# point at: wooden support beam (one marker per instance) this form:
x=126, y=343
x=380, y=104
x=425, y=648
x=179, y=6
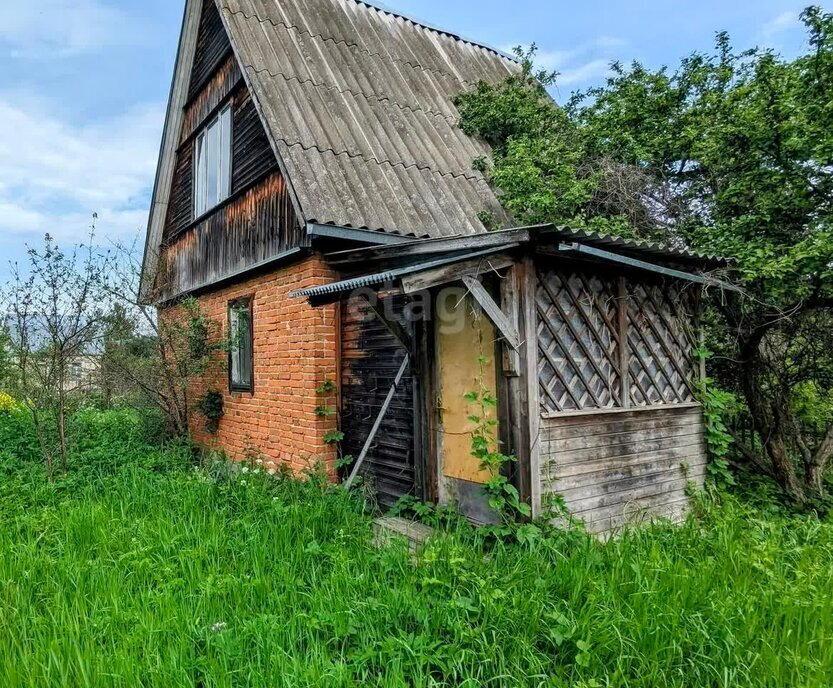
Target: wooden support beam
x=594, y=252
x=378, y=423
x=497, y=316
x=454, y=272
x=510, y=305
x=521, y=395
x=428, y=247
x=532, y=450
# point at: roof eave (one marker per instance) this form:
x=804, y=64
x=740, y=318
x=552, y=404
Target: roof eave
x=177, y=98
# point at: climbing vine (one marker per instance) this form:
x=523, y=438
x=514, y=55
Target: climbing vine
x=717, y=406
x=211, y=407
x=325, y=409
x=485, y=445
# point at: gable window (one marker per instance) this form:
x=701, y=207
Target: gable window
x=241, y=344
x=212, y=165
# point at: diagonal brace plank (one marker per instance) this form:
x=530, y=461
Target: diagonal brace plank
x=393, y=326
x=376, y=425
x=496, y=315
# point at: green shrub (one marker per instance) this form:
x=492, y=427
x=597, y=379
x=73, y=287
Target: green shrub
x=18, y=439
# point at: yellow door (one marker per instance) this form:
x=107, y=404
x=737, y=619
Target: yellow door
x=466, y=356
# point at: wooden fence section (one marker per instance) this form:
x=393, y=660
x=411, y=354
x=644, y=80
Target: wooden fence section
x=612, y=342
x=622, y=466
x=662, y=336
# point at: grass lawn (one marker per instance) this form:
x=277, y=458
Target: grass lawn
x=138, y=570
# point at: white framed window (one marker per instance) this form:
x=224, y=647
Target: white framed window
x=212, y=164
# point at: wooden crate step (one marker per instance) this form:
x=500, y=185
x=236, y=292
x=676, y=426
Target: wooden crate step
x=388, y=529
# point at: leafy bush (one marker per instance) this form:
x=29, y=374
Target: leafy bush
x=18, y=439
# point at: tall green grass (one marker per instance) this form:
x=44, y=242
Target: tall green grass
x=138, y=570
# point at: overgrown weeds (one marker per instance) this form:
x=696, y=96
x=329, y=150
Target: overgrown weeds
x=140, y=569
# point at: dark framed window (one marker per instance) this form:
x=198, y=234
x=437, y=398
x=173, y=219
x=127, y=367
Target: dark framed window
x=241, y=346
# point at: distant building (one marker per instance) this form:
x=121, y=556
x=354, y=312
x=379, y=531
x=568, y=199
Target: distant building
x=82, y=370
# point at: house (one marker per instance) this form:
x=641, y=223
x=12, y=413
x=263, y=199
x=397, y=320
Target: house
x=315, y=194
x=31, y=333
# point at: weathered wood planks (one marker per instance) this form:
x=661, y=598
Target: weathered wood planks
x=618, y=467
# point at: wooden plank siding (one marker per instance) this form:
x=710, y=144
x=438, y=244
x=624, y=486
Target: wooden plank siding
x=252, y=154
x=256, y=225
x=252, y=157
x=222, y=84
x=258, y=220
x=624, y=466
x=213, y=46
x=370, y=359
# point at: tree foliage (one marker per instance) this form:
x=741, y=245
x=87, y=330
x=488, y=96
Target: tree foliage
x=54, y=320
x=730, y=153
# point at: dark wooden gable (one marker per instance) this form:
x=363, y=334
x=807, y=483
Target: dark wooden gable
x=257, y=220
x=213, y=47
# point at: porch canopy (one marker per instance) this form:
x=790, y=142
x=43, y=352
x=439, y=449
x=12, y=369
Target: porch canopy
x=412, y=266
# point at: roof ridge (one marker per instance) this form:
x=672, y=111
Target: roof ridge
x=367, y=96
x=349, y=44
x=379, y=7
x=403, y=165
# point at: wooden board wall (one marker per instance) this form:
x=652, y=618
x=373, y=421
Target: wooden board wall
x=620, y=467
x=252, y=158
x=258, y=220
x=370, y=359
x=213, y=46
x=255, y=226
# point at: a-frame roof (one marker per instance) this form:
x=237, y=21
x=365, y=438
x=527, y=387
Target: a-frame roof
x=356, y=102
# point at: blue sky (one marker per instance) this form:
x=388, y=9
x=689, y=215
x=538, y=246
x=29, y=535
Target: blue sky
x=83, y=85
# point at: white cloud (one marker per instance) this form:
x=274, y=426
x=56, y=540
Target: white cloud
x=610, y=42
x=581, y=74
x=578, y=66
x=61, y=28
x=54, y=175
x=783, y=22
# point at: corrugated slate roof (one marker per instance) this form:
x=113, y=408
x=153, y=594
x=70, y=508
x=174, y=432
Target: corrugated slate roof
x=358, y=104
x=658, y=250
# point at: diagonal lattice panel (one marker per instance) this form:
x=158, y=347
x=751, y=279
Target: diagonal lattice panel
x=577, y=342
x=660, y=344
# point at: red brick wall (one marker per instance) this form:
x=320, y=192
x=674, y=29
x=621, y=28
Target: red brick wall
x=295, y=350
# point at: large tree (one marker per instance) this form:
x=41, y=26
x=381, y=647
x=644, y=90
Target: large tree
x=730, y=153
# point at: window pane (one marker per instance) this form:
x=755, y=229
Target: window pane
x=245, y=348
x=235, y=349
x=224, y=171
x=199, y=170
x=241, y=346
x=212, y=164
x=212, y=160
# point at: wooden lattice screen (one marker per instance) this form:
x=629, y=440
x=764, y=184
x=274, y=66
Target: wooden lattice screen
x=591, y=329
x=661, y=339
x=577, y=342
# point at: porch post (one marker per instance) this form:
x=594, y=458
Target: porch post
x=524, y=409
